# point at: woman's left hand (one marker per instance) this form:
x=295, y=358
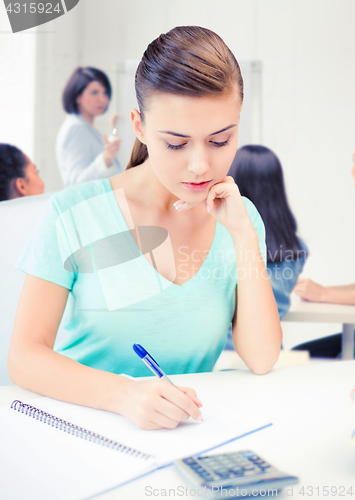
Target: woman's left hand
x=225, y=204
x=309, y=290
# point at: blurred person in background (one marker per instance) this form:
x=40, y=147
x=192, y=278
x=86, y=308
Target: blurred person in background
x=18, y=174
x=84, y=154
x=257, y=171
x=330, y=346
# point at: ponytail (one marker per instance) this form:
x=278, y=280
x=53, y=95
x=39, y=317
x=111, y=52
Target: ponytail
x=139, y=154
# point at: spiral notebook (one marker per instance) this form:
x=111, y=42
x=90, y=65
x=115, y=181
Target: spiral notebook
x=57, y=450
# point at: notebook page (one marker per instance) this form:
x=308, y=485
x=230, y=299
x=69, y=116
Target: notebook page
x=38, y=461
x=223, y=421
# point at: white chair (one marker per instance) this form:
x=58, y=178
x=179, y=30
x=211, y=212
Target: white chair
x=18, y=219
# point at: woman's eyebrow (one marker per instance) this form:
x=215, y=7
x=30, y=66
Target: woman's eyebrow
x=188, y=136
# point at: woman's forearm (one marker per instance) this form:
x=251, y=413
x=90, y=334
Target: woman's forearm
x=311, y=291
x=344, y=294
x=38, y=368
x=257, y=330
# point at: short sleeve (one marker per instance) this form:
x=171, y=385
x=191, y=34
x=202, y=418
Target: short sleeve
x=43, y=257
x=259, y=227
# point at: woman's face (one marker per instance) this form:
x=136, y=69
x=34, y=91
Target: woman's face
x=191, y=141
x=353, y=167
x=94, y=100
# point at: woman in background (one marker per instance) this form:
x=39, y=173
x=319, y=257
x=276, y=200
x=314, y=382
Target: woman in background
x=18, y=175
x=258, y=174
x=82, y=153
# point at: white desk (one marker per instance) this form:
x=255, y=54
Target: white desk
x=313, y=417
x=314, y=312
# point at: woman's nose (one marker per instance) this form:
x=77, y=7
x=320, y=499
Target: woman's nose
x=103, y=98
x=198, y=164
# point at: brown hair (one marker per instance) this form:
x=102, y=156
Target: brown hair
x=188, y=60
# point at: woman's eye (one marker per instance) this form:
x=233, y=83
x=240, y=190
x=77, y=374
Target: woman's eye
x=220, y=144
x=173, y=146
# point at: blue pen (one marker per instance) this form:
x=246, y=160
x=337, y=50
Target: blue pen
x=151, y=363
x=154, y=367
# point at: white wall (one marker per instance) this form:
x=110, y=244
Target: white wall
x=17, y=63
x=307, y=50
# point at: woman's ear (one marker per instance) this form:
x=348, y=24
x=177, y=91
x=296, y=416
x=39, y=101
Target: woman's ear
x=137, y=125
x=20, y=187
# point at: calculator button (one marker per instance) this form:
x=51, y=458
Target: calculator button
x=189, y=461
x=251, y=472
x=237, y=473
x=204, y=474
x=224, y=475
x=250, y=455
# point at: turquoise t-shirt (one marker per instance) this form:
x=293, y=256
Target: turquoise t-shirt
x=117, y=298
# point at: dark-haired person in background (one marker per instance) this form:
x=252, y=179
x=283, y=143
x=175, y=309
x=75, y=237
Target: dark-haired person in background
x=18, y=175
x=258, y=174
x=83, y=153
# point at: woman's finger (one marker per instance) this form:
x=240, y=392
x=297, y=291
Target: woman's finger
x=183, y=206
x=223, y=189
x=181, y=399
x=171, y=411
x=192, y=394
x=163, y=422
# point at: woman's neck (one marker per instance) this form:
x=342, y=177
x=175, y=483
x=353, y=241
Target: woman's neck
x=89, y=118
x=153, y=190
x=140, y=183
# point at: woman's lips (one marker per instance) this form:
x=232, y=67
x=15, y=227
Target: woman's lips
x=194, y=186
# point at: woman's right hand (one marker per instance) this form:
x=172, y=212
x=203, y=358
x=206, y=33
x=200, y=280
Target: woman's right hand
x=156, y=404
x=110, y=149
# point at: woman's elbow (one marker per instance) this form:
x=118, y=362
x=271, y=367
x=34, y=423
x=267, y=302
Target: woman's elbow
x=261, y=369
x=264, y=364
x=13, y=367
x=16, y=367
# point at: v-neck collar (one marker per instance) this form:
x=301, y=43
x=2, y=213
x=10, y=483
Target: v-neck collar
x=180, y=290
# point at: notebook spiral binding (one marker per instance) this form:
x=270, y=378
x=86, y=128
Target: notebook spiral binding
x=75, y=430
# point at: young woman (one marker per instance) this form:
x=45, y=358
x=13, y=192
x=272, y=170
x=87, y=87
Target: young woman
x=258, y=174
x=170, y=285
x=18, y=174
x=83, y=153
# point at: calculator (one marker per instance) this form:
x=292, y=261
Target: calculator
x=235, y=474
